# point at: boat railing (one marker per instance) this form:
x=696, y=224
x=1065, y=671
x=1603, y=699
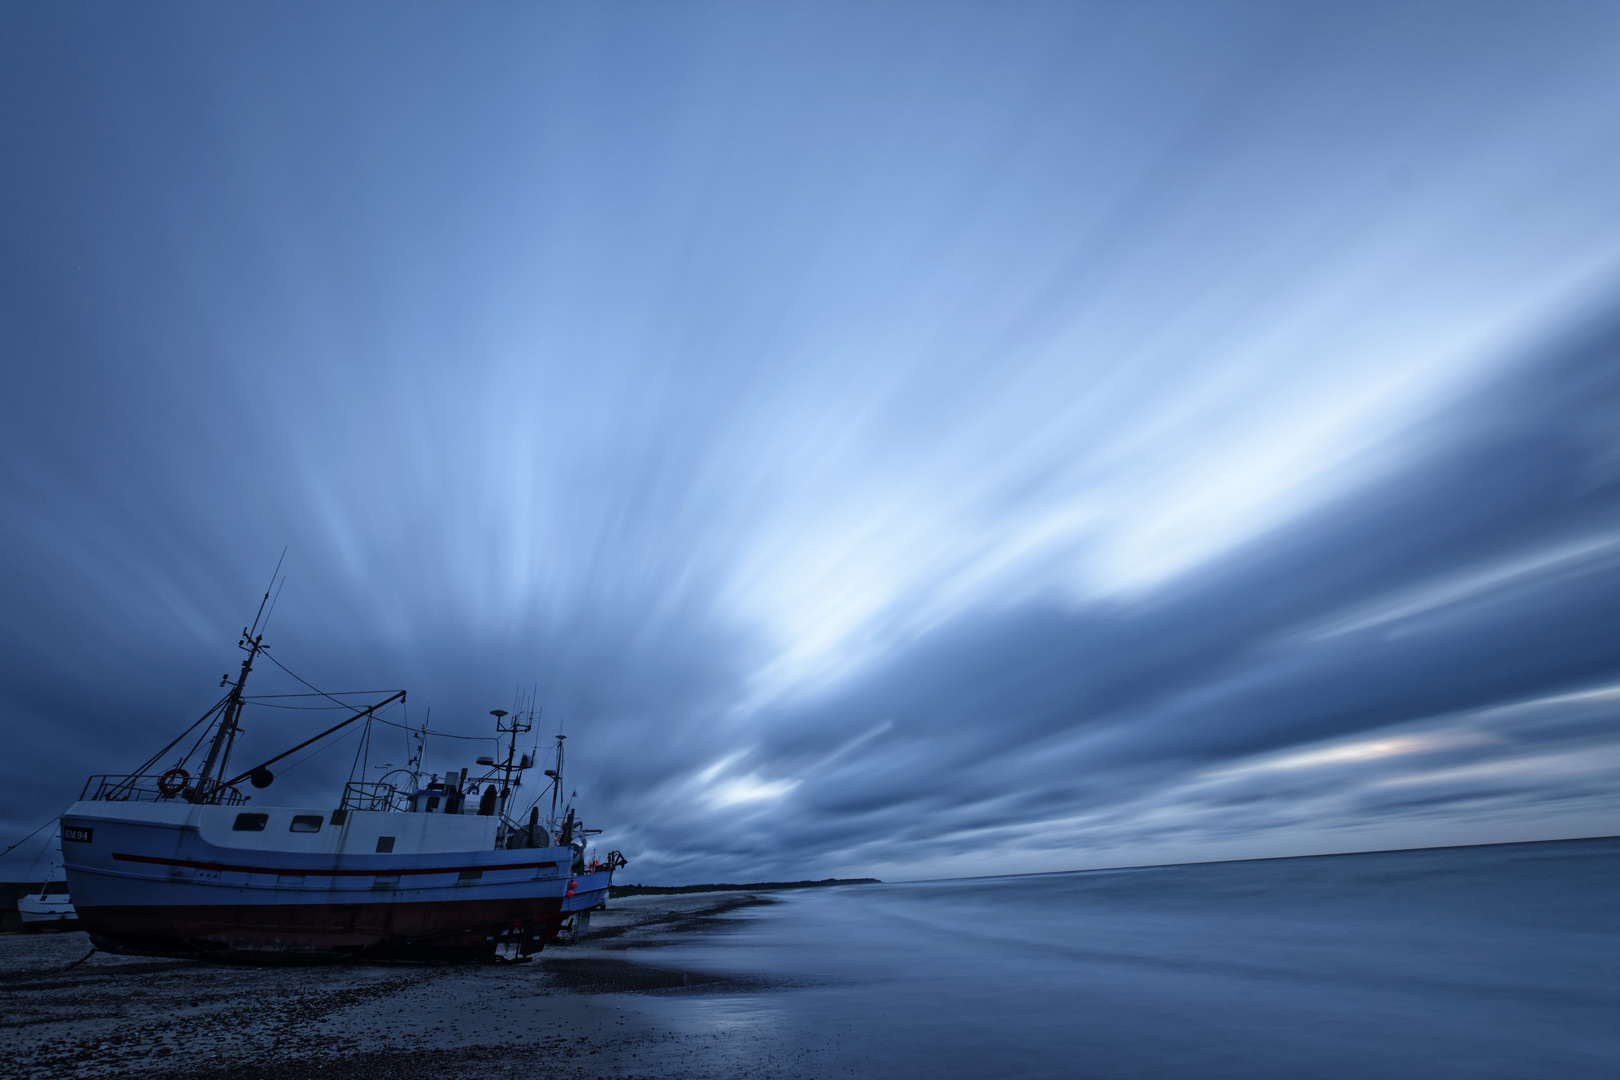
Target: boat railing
x=374, y=795
x=153, y=787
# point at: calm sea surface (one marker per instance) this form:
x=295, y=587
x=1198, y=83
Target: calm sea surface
x=1471, y=962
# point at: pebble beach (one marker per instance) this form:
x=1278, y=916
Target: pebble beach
x=569, y=1012
x=1485, y=963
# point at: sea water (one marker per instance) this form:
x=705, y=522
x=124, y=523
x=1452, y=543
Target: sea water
x=1466, y=962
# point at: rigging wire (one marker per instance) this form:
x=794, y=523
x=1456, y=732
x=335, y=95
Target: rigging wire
x=284, y=770
x=30, y=836
x=322, y=693
x=440, y=734
x=361, y=754
x=410, y=764
x=205, y=716
x=318, y=691
x=44, y=851
x=187, y=756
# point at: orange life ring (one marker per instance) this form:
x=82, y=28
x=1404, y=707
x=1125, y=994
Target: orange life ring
x=169, y=789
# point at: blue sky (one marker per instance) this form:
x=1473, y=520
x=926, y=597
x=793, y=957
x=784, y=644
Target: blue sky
x=896, y=439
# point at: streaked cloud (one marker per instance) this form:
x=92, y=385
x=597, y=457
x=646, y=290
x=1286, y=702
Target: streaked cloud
x=904, y=438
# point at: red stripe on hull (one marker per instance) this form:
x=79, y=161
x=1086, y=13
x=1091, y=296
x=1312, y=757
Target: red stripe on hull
x=443, y=929
x=327, y=872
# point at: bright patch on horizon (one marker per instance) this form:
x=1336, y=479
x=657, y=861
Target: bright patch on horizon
x=1363, y=750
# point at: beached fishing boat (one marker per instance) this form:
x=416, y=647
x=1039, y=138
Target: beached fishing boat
x=176, y=864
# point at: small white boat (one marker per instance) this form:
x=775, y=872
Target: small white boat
x=51, y=908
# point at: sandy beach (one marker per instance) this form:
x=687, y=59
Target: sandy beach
x=569, y=1012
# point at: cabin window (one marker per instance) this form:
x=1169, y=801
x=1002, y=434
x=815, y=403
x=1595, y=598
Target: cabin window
x=339, y=816
x=433, y=803
x=54, y=888
x=305, y=823
x=385, y=844
x=471, y=875
x=250, y=822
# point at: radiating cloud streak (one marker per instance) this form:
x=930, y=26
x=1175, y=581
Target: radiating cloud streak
x=916, y=439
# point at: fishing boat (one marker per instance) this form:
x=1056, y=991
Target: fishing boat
x=407, y=867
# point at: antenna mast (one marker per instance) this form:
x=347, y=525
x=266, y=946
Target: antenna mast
x=556, y=776
x=512, y=729
x=219, y=751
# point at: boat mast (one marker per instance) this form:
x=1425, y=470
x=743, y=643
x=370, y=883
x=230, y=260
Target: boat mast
x=517, y=728
x=219, y=751
x=556, y=777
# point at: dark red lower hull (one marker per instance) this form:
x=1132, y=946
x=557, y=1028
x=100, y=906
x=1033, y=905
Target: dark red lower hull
x=270, y=933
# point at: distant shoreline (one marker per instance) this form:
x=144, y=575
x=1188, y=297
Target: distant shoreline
x=755, y=886
x=1261, y=859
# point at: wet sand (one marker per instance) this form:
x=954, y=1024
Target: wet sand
x=574, y=1011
